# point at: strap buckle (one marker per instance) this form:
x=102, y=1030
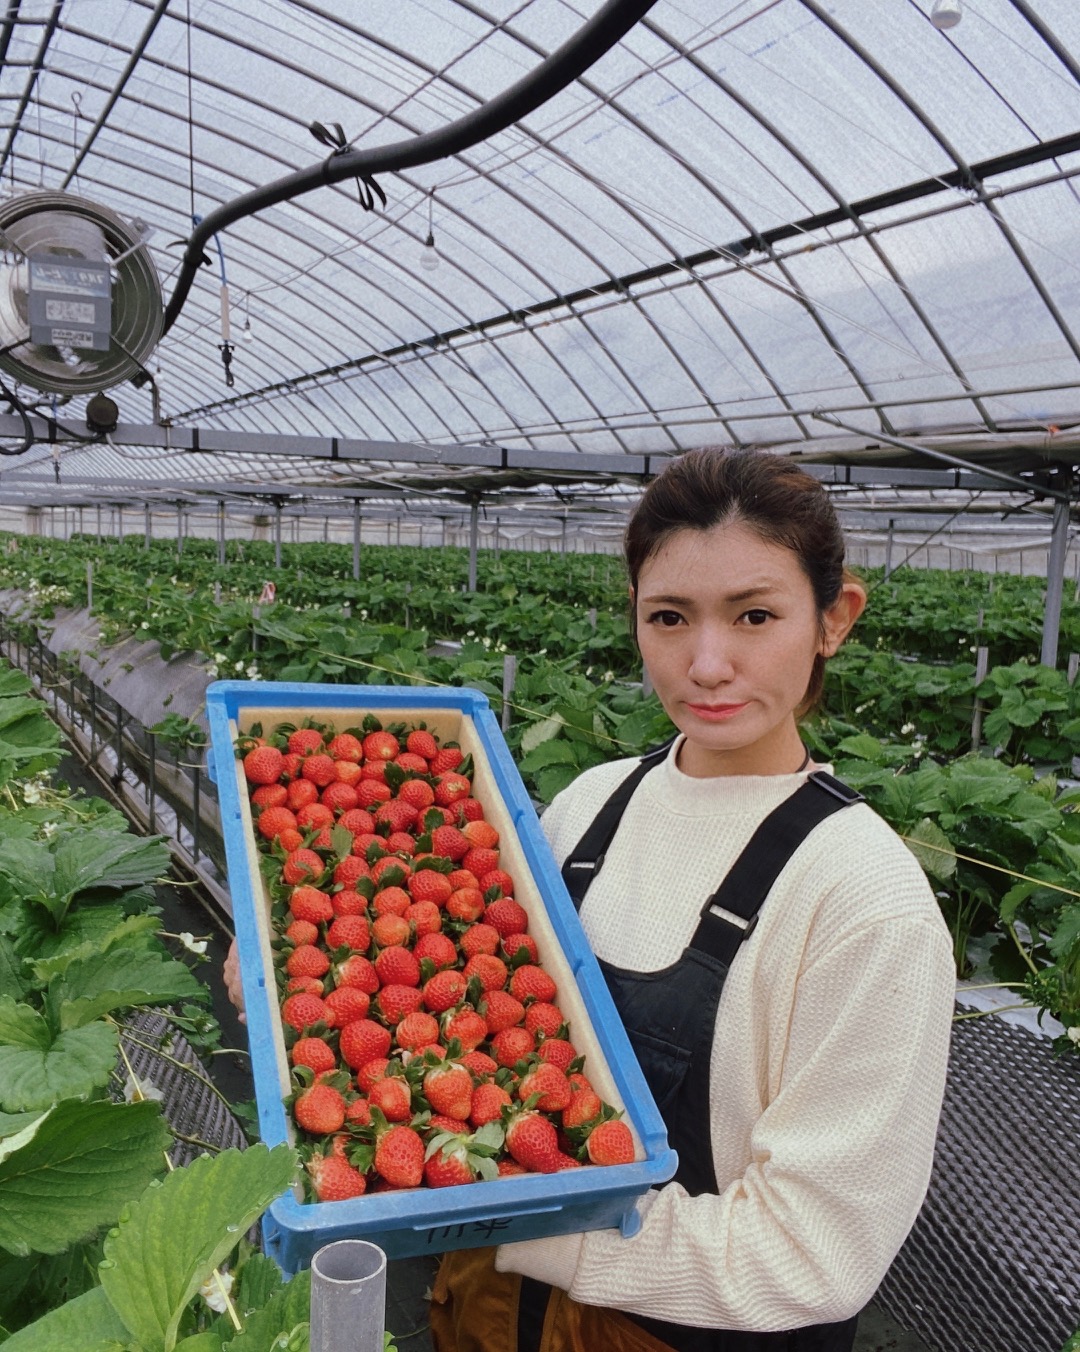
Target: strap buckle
x=593, y=865
x=836, y=787
x=744, y=926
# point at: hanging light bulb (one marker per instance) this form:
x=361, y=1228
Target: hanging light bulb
x=429, y=258
x=245, y=332
x=946, y=13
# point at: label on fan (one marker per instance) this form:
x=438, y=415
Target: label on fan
x=84, y=278
x=70, y=338
x=69, y=312
x=70, y=302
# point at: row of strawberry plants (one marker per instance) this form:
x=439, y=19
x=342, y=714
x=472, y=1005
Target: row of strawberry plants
x=102, y=1244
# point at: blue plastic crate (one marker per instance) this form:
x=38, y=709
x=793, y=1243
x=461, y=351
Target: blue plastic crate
x=426, y=1220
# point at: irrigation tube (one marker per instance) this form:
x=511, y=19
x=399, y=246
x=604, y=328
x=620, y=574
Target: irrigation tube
x=348, y=1297
x=596, y=37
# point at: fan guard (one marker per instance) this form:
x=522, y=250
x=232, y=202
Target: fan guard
x=67, y=229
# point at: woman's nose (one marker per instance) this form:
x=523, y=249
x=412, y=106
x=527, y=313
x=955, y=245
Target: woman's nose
x=711, y=662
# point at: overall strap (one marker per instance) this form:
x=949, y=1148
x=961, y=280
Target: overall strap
x=728, y=917
x=586, y=859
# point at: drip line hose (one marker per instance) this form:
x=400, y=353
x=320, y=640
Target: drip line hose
x=596, y=37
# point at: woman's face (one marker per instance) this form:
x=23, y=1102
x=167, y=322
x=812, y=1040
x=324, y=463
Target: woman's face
x=728, y=631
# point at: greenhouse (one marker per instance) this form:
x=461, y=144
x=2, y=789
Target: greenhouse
x=433, y=432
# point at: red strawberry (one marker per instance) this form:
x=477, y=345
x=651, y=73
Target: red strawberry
x=416, y=1030
x=427, y=885
x=302, y=932
x=319, y=1110
x=359, y=1113
x=357, y=972
x=611, y=1143
x=304, y=741
x=358, y=821
x=451, y=789
x=479, y=1063
x=490, y=971
x=502, y=1010
x=390, y=871
x=481, y=861
x=541, y=1017
x=488, y=1101
x=314, y=815
x=512, y=945
x=397, y=967
x=270, y=795
x=532, y=983
x=380, y=746
x=421, y=743
x=397, y=814
x=437, y=948
x=334, y=1179
x=510, y=1168
x=391, y=901
x=418, y=793
x=480, y=834
x=290, y=766
x=391, y=931
x=501, y=879
x=461, y=877
x=300, y=793
x=349, y=931
x=448, y=1167
x=479, y=938
x=309, y=903
x=399, y=1157
x=424, y=917
x=348, y=772
x=444, y=990
x=302, y=866
x=550, y=1083
x=392, y=1098
x=338, y=797
x=396, y=1001
x=446, y=758
x=307, y=960
x=448, y=1088
x=556, y=1051
x=467, y=1026
x=400, y=842
x=273, y=820
x=346, y=747
x=582, y=1108
x=511, y=1045
x=449, y=842
x=469, y=810
x=314, y=1053
x=408, y=761
x=320, y=769
x=347, y=1004
x=467, y=904
x=441, y=1122
x=347, y=902
x=311, y=984
x=263, y=765
x=533, y=1141
x=290, y=841
x=302, y=1010
x=507, y=916
x=374, y=769
x=363, y=1041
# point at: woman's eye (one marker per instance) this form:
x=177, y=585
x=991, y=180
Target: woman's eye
x=666, y=619
x=757, y=616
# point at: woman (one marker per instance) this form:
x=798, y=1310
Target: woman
x=795, y=1035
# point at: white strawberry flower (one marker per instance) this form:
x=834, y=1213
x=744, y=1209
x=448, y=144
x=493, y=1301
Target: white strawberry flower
x=1073, y=1034
x=138, y=1089
x=192, y=944
x=211, y=1290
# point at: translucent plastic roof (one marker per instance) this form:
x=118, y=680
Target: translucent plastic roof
x=747, y=214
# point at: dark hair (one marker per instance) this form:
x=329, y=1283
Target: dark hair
x=779, y=501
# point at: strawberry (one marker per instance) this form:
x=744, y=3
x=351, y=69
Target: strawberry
x=427, y=885
x=469, y=809
x=469, y=1027
x=304, y=741
x=511, y=1045
x=320, y=769
x=347, y=1004
x=507, y=916
x=314, y=1053
x=442, y=1122
x=444, y=990
x=480, y=861
x=533, y=1141
x=610, y=1143
x=392, y=1098
x=479, y=1063
x=421, y=743
x=448, y=1088
x=480, y=834
x=437, y=949
x=302, y=1011
x=400, y=842
x=270, y=795
x=550, y=1083
x=371, y=1072
x=448, y=1166
x=399, y=1157
x=362, y=1041
x=488, y=1101
x=273, y=820
x=309, y=903
x=300, y=793
x=502, y=1010
x=358, y=821
x=418, y=793
x=461, y=877
x=347, y=902
x=446, y=758
x=451, y=789
x=412, y=763
x=499, y=878
x=302, y=932
x=311, y=984
x=391, y=901
x=307, y=960
x=466, y=904
x=479, y=938
x=397, y=814
x=396, y=1001
x=314, y=815
x=449, y=842
x=374, y=769
x=583, y=1107
x=324, y=840
x=349, y=931
x=302, y=866
x=390, y=871
x=424, y=917
x=346, y=747
x=509, y=1168
x=416, y=1030
x=338, y=797
x=358, y=973
x=391, y=931
x=358, y=1113
x=334, y=1179
x=532, y=983
x=263, y=765
x=380, y=746
x=290, y=841
x=397, y=967
x=319, y=1110
x=490, y=971
x=541, y=1017
x=556, y=1051
x=513, y=944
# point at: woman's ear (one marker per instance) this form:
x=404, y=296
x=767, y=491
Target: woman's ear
x=839, y=619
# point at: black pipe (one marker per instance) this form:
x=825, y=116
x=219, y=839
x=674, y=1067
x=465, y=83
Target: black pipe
x=596, y=37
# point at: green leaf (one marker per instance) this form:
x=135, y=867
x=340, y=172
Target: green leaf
x=540, y=732
x=35, y=1076
x=547, y=753
x=22, y=1026
x=71, y=945
x=289, y=1306
x=11, y=979
x=170, y=1240
x=79, y=1167
x=554, y=779
x=93, y=987
x=86, y=1324
x=106, y=859
x=937, y=864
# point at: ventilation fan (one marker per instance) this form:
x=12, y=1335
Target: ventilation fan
x=80, y=299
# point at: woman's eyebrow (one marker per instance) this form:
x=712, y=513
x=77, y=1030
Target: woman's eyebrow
x=747, y=594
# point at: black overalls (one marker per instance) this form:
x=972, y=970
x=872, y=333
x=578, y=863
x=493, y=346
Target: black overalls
x=670, y=1019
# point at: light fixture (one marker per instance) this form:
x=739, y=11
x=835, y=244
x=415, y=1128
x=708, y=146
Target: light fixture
x=429, y=258
x=946, y=13
x=245, y=332
x=102, y=414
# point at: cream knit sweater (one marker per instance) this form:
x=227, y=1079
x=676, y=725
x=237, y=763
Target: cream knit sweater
x=828, y=1066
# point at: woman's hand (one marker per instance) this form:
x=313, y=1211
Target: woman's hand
x=231, y=973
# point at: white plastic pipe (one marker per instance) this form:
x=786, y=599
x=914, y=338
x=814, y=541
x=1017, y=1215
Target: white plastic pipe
x=348, y=1297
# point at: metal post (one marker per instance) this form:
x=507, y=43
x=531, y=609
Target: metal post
x=509, y=681
x=89, y=587
x=356, y=540
x=99, y=522
x=277, y=533
x=1055, y=582
x=888, y=548
x=348, y=1297
x=119, y=746
x=196, y=810
x=221, y=533
x=120, y=524
x=151, y=784
x=179, y=530
x=146, y=526
x=474, y=540
x=562, y=547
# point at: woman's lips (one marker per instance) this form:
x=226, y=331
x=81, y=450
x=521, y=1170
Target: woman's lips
x=715, y=713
